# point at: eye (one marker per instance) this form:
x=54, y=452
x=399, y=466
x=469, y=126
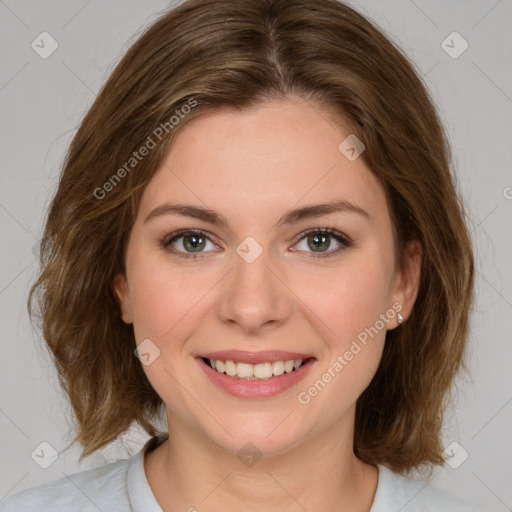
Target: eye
x=192, y=241
x=189, y=243
x=320, y=240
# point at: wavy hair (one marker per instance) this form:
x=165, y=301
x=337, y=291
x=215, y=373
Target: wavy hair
x=208, y=54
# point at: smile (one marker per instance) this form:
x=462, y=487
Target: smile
x=255, y=375
x=260, y=371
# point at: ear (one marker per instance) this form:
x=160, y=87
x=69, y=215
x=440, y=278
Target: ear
x=407, y=279
x=122, y=292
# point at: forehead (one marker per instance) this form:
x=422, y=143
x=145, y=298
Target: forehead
x=263, y=160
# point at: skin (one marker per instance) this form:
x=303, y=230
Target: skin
x=251, y=167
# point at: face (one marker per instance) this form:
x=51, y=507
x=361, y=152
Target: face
x=252, y=270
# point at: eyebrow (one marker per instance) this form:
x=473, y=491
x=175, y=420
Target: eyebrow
x=290, y=217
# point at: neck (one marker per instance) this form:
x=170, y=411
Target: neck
x=188, y=471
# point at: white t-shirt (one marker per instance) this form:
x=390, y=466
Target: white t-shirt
x=122, y=487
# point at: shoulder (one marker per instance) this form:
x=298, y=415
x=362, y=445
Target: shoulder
x=396, y=492
x=102, y=488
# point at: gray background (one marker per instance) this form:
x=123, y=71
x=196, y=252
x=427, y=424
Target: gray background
x=43, y=101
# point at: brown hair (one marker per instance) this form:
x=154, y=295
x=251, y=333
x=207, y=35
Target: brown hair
x=227, y=53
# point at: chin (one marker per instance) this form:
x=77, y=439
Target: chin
x=267, y=435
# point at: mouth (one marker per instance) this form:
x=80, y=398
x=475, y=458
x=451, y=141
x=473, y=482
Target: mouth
x=261, y=371
x=255, y=375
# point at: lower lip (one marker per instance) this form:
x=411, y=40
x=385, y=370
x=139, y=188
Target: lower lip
x=244, y=388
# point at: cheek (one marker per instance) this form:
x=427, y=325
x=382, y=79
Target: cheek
x=169, y=303
x=348, y=308
x=353, y=339
x=349, y=299
x=163, y=303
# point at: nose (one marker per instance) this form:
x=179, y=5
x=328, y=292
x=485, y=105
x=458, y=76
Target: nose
x=255, y=297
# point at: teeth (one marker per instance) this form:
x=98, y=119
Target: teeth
x=244, y=371
x=263, y=370
x=230, y=368
x=288, y=366
x=278, y=367
x=260, y=371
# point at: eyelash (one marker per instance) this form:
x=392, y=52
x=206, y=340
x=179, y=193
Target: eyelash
x=342, y=239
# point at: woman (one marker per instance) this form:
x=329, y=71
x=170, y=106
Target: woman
x=257, y=231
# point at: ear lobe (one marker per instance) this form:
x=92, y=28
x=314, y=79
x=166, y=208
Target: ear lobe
x=407, y=279
x=122, y=293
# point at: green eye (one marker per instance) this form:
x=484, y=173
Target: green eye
x=320, y=240
x=193, y=243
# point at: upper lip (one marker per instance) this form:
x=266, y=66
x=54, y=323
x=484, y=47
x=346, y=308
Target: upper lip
x=250, y=357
